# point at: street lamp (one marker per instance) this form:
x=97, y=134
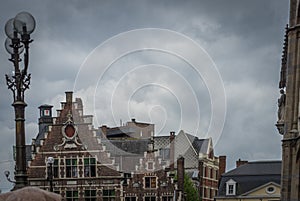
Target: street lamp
x=50, y=161
x=18, y=31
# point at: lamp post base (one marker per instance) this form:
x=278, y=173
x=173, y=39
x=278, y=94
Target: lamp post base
x=21, y=181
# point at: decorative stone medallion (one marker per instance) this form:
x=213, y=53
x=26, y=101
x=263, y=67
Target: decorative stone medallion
x=69, y=130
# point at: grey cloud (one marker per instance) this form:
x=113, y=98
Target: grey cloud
x=244, y=39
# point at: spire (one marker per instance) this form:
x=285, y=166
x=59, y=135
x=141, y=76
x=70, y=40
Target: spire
x=282, y=82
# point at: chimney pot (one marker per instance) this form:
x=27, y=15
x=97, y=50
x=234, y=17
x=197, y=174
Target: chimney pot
x=240, y=162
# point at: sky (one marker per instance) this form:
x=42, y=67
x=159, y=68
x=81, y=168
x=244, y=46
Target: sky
x=210, y=68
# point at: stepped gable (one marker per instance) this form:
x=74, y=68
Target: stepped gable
x=84, y=143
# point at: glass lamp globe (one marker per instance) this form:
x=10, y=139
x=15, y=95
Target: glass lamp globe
x=24, y=23
x=9, y=49
x=10, y=28
x=50, y=160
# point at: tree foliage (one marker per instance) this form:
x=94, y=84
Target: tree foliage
x=190, y=190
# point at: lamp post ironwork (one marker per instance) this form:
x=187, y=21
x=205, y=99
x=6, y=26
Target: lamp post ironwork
x=7, y=173
x=50, y=161
x=18, y=30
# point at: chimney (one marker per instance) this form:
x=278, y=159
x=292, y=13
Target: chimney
x=180, y=173
x=200, y=177
x=69, y=98
x=222, y=166
x=240, y=162
x=172, y=150
x=104, y=130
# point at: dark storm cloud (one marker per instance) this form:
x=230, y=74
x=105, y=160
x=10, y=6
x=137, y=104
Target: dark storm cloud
x=244, y=39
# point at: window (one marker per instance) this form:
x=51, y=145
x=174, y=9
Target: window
x=211, y=154
x=150, y=165
x=90, y=195
x=46, y=112
x=150, y=182
x=150, y=198
x=164, y=153
x=230, y=187
x=89, y=167
x=72, y=195
x=55, y=168
x=126, y=177
x=71, y=168
x=109, y=195
x=130, y=198
x=167, y=198
x=208, y=172
x=270, y=189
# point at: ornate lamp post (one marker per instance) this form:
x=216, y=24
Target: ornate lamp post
x=18, y=31
x=50, y=161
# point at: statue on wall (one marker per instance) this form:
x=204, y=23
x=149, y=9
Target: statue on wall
x=281, y=106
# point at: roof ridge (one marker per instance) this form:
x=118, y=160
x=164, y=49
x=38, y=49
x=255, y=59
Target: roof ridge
x=264, y=161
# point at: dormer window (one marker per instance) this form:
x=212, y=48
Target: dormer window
x=230, y=187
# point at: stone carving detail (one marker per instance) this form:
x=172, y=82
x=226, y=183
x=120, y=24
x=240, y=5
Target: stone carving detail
x=70, y=133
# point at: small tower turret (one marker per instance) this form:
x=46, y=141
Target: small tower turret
x=46, y=118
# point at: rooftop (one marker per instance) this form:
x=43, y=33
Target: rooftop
x=251, y=175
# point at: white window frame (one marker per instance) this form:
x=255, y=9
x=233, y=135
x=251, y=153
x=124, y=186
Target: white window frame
x=232, y=183
x=150, y=197
x=90, y=197
x=73, y=168
x=131, y=198
x=87, y=168
x=73, y=197
x=150, y=177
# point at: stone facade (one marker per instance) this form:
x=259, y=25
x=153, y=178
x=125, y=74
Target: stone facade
x=288, y=112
